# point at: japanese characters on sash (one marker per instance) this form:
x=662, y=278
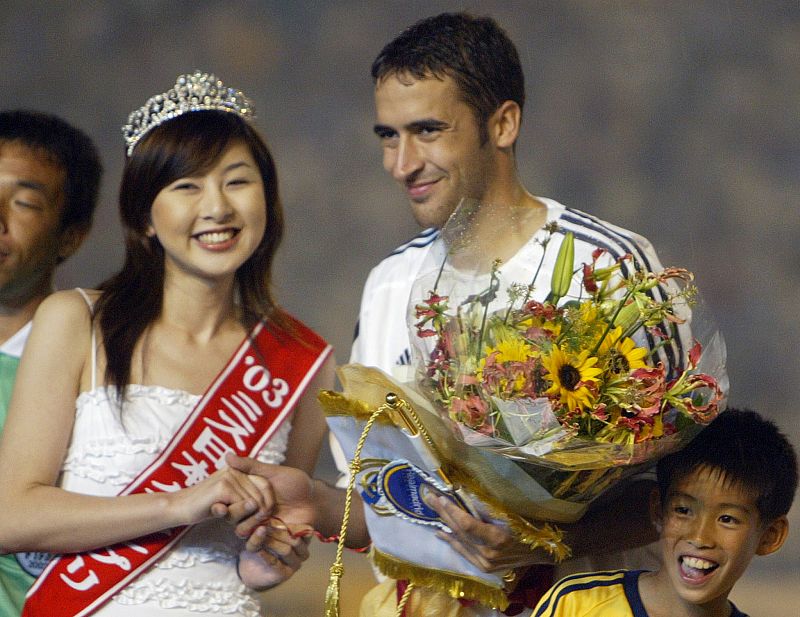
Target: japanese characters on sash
x=239, y=413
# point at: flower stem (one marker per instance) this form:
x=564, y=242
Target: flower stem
x=610, y=324
x=544, y=243
x=492, y=280
x=439, y=275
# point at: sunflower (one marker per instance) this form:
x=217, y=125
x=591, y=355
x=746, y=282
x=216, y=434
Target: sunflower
x=535, y=323
x=621, y=354
x=511, y=349
x=571, y=375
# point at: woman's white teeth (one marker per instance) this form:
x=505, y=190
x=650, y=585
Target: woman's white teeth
x=697, y=563
x=216, y=237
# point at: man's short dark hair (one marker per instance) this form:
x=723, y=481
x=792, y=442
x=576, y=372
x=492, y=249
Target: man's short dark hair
x=474, y=51
x=747, y=451
x=66, y=146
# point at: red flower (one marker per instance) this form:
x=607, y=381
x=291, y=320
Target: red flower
x=653, y=379
x=546, y=311
x=703, y=414
x=694, y=354
x=659, y=333
x=600, y=412
x=431, y=310
x=589, y=284
x=675, y=273
x=471, y=411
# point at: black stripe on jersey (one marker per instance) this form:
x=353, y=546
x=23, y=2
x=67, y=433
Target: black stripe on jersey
x=577, y=582
x=422, y=239
x=673, y=352
x=592, y=222
x=404, y=359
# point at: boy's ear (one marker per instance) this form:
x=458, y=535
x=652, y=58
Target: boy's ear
x=656, y=516
x=773, y=536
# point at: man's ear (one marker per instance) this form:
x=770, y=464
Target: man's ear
x=504, y=124
x=70, y=240
x=656, y=512
x=773, y=536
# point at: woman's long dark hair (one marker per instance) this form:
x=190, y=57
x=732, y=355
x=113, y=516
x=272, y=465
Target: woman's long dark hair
x=132, y=299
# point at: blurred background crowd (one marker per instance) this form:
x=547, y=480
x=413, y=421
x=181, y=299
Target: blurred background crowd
x=675, y=119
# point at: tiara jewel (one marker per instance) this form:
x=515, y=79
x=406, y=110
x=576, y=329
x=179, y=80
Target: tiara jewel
x=196, y=92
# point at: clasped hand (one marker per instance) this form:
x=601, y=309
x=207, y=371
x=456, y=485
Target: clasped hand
x=272, y=551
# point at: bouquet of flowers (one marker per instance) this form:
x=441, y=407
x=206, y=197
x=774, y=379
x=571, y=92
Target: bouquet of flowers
x=596, y=366
x=538, y=375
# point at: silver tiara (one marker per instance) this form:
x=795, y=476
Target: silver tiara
x=196, y=92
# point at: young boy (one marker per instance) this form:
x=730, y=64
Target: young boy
x=721, y=500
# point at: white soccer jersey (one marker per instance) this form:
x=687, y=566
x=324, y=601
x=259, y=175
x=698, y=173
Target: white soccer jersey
x=382, y=338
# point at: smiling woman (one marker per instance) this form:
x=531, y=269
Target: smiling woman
x=181, y=357
x=185, y=162
x=210, y=223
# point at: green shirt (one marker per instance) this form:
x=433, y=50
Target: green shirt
x=14, y=581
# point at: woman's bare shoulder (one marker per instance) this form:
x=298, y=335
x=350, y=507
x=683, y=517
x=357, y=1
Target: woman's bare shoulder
x=68, y=307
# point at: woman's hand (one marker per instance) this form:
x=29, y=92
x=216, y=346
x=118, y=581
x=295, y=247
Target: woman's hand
x=287, y=492
x=227, y=493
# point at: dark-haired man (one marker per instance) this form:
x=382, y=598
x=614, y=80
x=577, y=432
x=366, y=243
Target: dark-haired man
x=449, y=94
x=49, y=180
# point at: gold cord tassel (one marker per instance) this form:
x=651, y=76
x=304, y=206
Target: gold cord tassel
x=332, y=596
x=401, y=605
x=337, y=569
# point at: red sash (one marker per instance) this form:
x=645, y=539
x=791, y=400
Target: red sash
x=239, y=412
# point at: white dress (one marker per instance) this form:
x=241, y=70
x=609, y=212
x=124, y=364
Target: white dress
x=107, y=450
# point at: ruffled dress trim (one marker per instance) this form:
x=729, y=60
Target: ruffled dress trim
x=109, y=447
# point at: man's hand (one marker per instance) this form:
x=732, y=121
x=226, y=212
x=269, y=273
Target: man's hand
x=289, y=494
x=267, y=567
x=274, y=549
x=492, y=547
x=301, y=503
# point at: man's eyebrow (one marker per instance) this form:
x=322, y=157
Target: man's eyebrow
x=428, y=123
x=32, y=184
x=414, y=127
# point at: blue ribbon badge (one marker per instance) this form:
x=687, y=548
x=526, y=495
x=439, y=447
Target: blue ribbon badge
x=402, y=488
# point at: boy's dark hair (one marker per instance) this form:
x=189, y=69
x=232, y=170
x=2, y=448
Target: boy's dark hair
x=66, y=146
x=474, y=51
x=748, y=451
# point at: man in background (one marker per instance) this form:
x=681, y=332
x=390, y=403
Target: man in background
x=49, y=181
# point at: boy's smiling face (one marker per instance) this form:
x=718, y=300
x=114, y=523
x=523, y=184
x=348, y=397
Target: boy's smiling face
x=711, y=529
